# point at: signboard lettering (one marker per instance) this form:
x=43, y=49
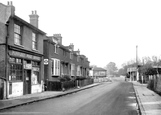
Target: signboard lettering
x=23, y=55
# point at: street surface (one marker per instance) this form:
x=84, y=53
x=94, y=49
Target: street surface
x=116, y=98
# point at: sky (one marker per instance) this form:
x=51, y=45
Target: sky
x=103, y=30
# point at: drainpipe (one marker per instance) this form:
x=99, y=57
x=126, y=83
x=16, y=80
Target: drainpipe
x=6, y=58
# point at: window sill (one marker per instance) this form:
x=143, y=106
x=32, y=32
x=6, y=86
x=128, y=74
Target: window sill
x=36, y=84
x=19, y=45
x=35, y=50
x=55, y=75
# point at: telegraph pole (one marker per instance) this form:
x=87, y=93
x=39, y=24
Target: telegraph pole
x=137, y=69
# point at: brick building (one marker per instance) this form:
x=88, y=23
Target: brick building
x=21, y=49
x=62, y=60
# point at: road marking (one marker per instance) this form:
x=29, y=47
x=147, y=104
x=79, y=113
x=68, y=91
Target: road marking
x=154, y=102
x=25, y=113
x=131, y=97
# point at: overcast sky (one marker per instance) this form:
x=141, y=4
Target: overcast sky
x=103, y=30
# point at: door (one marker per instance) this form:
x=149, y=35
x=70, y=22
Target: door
x=27, y=81
x=1, y=88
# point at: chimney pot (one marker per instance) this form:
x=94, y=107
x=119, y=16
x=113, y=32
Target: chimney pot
x=11, y=3
x=34, y=18
x=8, y=3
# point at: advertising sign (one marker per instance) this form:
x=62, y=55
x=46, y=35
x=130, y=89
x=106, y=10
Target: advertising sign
x=17, y=89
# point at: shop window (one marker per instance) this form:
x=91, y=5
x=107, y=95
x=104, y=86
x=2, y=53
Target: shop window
x=15, y=72
x=35, y=64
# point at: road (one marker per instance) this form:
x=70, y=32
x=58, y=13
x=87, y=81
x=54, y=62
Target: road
x=116, y=98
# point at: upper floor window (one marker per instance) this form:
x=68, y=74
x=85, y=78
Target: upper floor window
x=71, y=55
x=34, y=41
x=64, y=53
x=77, y=58
x=56, y=48
x=17, y=34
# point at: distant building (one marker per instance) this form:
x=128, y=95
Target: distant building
x=98, y=72
x=132, y=73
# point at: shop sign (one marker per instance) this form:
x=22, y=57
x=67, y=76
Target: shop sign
x=36, y=58
x=28, y=66
x=45, y=61
x=15, y=53
x=29, y=56
x=35, y=69
x=23, y=55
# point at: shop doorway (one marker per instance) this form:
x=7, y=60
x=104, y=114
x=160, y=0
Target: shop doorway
x=27, y=81
x=1, y=89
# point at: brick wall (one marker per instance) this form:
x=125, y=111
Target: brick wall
x=2, y=61
x=2, y=33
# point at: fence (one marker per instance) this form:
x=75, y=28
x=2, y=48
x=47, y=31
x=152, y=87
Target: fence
x=104, y=79
x=59, y=86
x=154, y=83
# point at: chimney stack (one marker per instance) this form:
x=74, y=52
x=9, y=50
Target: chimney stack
x=34, y=18
x=9, y=3
x=71, y=46
x=58, y=37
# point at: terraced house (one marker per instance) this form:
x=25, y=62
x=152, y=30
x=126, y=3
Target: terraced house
x=28, y=57
x=62, y=61
x=21, y=49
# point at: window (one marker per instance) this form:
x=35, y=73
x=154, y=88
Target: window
x=64, y=53
x=72, y=69
x=17, y=35
x=15, y=72
x=71, y=55
x=77, y=58
x=56, y=48
x=78, y=71
x=34, y=41
x=35, y=64
x=55, y=67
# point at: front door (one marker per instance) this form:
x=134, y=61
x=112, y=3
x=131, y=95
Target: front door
x=27, y=83
x=1, y=88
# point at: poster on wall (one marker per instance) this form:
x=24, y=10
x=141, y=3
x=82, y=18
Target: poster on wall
x=34, y=78
x=17, y=89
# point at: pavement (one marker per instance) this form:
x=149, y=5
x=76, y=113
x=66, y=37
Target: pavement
x=148, y=101
x=30, y=98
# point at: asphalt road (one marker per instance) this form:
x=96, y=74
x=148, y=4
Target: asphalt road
x=116, y=98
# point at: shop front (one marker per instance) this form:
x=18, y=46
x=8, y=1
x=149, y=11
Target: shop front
x=24, y=73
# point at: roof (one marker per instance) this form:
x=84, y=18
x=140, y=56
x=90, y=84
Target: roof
x=99, y=69
x=61, y=46
x=28, y=24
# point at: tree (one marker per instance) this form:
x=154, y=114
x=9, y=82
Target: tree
x=111, y=68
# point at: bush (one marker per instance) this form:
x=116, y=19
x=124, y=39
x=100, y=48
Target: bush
x=80, y=78
x=65, y=78
x=151, y=84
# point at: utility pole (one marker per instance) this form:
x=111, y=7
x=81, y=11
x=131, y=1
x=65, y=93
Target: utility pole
x=137, y=69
